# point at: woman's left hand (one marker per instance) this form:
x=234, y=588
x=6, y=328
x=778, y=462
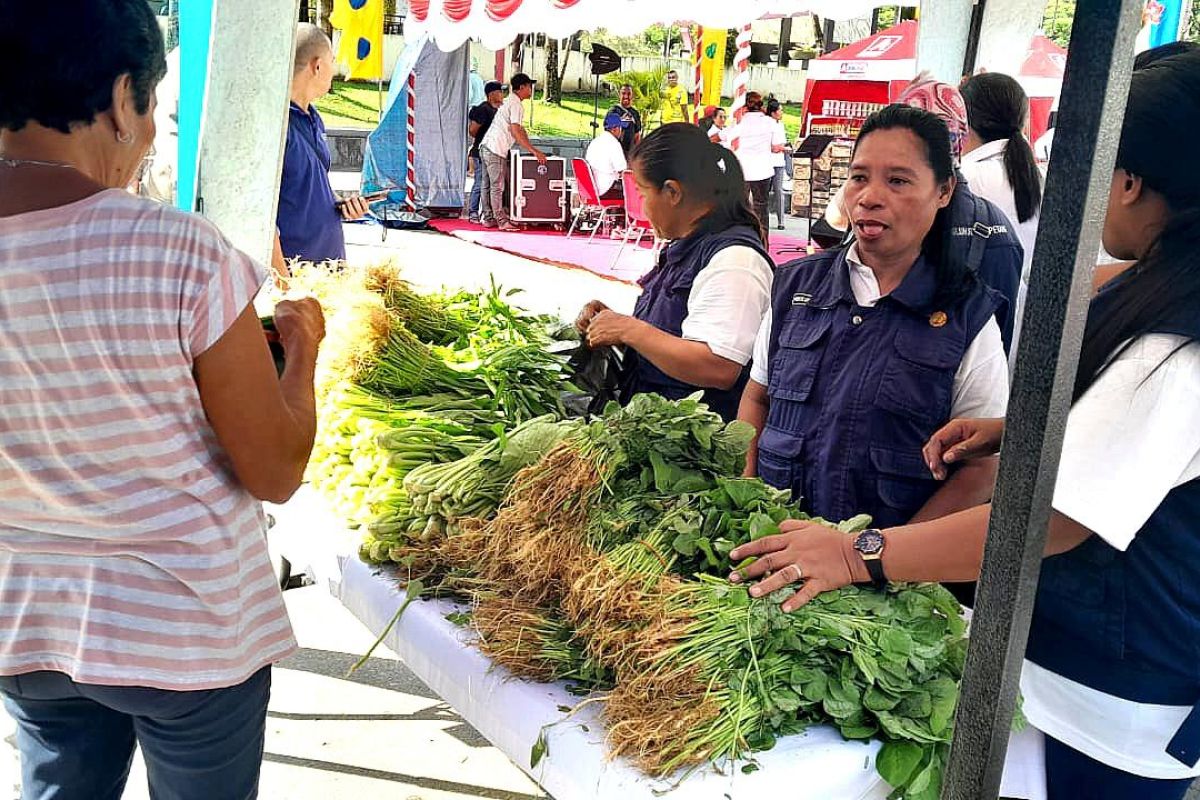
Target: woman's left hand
x=822, y=557
x=609, y=328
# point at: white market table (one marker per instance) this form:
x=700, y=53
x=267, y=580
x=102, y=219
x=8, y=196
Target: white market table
x=511, y=713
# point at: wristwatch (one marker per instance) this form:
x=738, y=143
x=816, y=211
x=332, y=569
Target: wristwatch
x=869, y=545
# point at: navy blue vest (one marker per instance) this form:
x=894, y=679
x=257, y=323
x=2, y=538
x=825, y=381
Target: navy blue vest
x=1128, y=623
x=986, y=241
x=856, y=392
x=663, y=303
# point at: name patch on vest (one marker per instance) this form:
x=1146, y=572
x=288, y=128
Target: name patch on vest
x=801, y=299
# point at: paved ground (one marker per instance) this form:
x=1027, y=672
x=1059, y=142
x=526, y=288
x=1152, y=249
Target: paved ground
x=378, y=734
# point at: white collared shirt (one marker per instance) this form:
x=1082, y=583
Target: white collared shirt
x=983, y=169
x=981, y=381
x=606, y=157
x=1131, y=439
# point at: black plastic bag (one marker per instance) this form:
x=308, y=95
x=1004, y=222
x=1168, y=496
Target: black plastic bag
x=597, y=375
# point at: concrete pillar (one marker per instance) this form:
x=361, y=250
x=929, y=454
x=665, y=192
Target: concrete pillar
x=942, y=37
x=1008, y=27
x=245, y=119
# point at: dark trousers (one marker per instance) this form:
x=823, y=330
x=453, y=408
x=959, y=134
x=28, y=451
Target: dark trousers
x=1070, y=775
x=760, y=191
x=77, y=739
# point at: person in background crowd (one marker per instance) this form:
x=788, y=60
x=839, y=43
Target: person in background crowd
x=309, y=219
x=607, y=159
x=633, y=131
x=675, y=103
x=143, y=422
x=713, y=123
x=868, y=349
x=693, y=326
x=1111, y=679
x=757, y=139
x=999, y=165
x=479, y=120
x=507, y=129
x=476, y=89
x=779, y=160
x=981, y=236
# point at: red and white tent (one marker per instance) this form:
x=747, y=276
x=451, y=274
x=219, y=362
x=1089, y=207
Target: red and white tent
x=496, y=23
x=845, y=86
x=1041, y=76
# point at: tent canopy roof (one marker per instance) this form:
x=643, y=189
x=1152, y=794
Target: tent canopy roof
x=898, y=43
x=497, y=22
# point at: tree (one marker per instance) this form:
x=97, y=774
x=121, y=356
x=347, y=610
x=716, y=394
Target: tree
x=324, y=9
x=553, y=92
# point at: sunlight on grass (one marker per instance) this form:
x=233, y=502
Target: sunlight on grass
x=356, y=105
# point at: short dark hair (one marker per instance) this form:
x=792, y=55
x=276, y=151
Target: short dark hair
x=772, y=106
x=72, y=87
x=520, y=81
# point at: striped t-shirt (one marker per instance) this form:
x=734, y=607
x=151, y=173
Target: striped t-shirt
x=129, y=553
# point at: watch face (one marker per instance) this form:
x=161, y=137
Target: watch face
x=869, y=542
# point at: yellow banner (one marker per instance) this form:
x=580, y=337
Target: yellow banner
x=361, y=45
x=712, y=65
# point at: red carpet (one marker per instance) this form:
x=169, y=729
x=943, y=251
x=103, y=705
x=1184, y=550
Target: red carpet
x=597, y=256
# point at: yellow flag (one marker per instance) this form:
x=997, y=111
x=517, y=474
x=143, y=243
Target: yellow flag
x=712, y=65
x=361, y=45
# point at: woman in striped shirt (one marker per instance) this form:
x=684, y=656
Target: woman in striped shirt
x=141, y=422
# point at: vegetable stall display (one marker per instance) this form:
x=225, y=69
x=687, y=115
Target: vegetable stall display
x=596, y=551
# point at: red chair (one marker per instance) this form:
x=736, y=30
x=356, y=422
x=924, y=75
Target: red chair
x=585, y=183
x=637, y=224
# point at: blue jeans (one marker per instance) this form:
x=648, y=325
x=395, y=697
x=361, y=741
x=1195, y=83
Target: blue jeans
x=1070, y=775
x=77, y=739
x=476, y=187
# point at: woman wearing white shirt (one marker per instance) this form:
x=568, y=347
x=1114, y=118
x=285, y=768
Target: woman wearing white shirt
x=693, y=327
x=999, y=164
x=756, y=138
x=1112, y=677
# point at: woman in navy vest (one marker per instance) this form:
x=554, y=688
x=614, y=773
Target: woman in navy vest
x=869, y=349
x=1112, y=671
x=694, y=325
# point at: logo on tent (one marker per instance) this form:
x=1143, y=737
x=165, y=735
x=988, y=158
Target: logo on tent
x=880, y=46
x=852, y=68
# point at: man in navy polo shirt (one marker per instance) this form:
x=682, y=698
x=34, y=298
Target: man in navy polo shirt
x=309, y=220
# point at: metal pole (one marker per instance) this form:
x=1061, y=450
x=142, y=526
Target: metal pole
x=1093, y=101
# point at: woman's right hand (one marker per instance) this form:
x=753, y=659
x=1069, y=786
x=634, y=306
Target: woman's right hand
x=300, y=323
x=962, y=440
x=587, y=314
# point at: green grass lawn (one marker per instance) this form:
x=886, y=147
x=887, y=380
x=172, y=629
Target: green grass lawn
x=356, y=105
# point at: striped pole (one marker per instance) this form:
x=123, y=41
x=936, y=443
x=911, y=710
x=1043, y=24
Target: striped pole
x=698, y=83
x=411, y=182
x=740, y=81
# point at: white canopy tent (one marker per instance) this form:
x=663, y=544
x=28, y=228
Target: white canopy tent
x=496, y=23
